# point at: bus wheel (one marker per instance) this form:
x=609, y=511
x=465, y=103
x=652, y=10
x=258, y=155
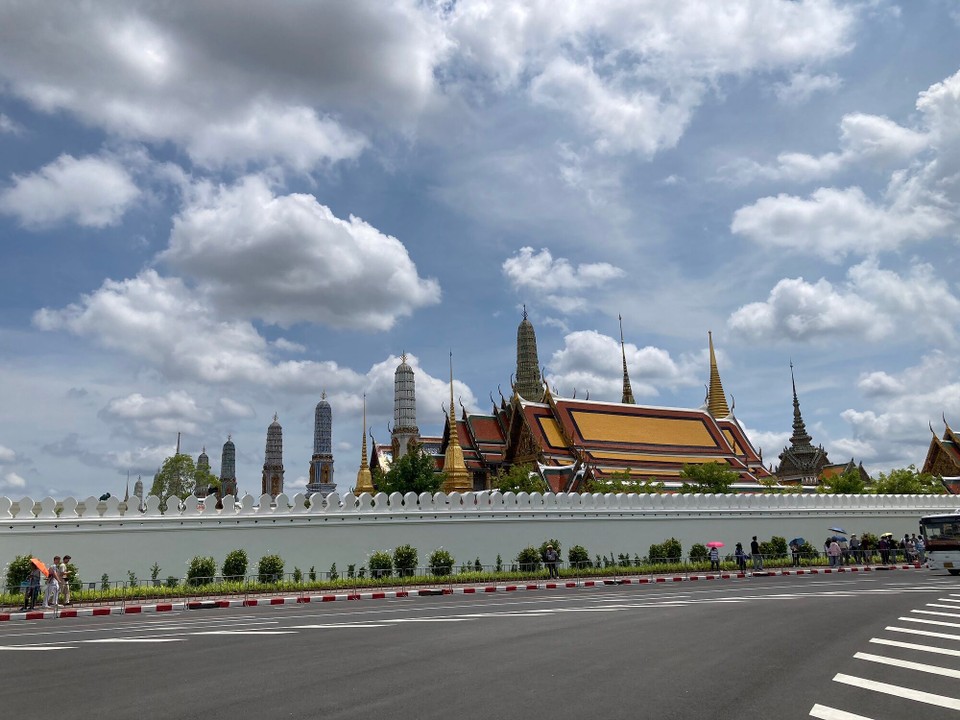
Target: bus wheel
x=954, y=572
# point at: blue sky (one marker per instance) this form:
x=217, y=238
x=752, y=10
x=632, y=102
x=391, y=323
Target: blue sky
x=213, y=213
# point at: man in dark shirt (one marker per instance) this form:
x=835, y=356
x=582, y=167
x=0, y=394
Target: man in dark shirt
x=755, y=551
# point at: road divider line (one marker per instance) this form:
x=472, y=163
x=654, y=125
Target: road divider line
x=916, y=646
x=942, y=623
x=828, y=713
x=899, y=691
x=925, y=633
x=936, y=612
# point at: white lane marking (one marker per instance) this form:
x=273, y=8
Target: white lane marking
x=134, y=640
x=828, y=713
x=915, y=646
x=245, y=632
x=930, y=622
x=908, y=664
x=949, y=599
x=925, y=633
x=345, y=626
x=936, y=612
x=428, y=620
x=899, y=691
x=36, y=647
x=949, y=607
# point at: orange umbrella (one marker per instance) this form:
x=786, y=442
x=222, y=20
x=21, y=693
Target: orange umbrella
x=39, y=563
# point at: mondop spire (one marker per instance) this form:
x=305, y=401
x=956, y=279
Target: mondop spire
x=627, y=398
x=228, y=468
x=456, y=475
x=800, y=438
x=321, y=464
x=528, y=383
x=272, y=480
x=716, y=400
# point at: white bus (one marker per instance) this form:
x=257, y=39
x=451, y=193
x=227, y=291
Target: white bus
x=941, y=536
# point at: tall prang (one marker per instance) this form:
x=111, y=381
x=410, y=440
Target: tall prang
x=716, y=400
x=203, y=463
x=801, y=461
x=321, y=464
x=627, y=397
x=405, y=433
x=228, y=469
x=528, y=384
x=456, y=476
x=272, y=480
x=364, y=476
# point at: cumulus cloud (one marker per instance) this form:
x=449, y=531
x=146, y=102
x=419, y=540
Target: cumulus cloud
x=7, y=455
x=277, y=83
x=895, y=429
x=803, y=85
x=90, y=191
x=289, y=259
x=9, y=125
x=632, y=77
x=234, y=409
x=592, y=361
x=540, y=275
x=871, y=304
x=12, y=481
x=155, y=417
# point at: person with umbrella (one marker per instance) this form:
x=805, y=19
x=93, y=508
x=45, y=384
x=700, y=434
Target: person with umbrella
x=795, y=546
x=37, y=571
x=715, y=554
x=53, y=584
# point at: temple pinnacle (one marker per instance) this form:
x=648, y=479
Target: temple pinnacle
x=627, y=398
x=716, y=400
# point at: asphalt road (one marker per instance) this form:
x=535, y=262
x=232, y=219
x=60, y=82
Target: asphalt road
x=879, y=645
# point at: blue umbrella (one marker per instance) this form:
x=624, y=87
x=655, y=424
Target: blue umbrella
x=797, y=541
x=838, y=530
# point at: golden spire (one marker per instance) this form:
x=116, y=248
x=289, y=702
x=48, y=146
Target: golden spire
x=456, y=476
x=627, y=398
x=364, y=478
x=716, y=400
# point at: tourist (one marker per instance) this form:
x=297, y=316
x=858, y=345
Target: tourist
x=755, y=552
x=855, y=550
x=65, y=579
x=551, y=558
x=714, y=559
x=909, y=549
x=920, y=547
x=833, y=551
x=795, y=552
x=884, y=547
x=844, y=550
x=53, y=584
x=32, y=591
x=741, y=558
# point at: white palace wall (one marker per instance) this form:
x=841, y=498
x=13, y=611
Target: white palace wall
x=103, y=537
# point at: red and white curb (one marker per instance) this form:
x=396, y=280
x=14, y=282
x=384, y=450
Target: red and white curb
x=419, y=592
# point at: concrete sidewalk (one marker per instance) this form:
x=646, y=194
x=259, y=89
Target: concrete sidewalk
x=202, y=604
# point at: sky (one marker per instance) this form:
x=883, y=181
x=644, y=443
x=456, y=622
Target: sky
x=213, y=212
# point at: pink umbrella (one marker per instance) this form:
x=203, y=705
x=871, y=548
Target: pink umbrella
x=715, y=543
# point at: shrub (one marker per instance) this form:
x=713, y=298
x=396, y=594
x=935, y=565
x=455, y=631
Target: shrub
x=270, y=569
x=868, y=541
x=578, y=556
x=477, y=565
x=441, y=562
x=669, y=551
x=132, y=579
x=154, y=572
x=73, y=578
x=381, y=564
x=529, y=559
x=312, y=574
x=18, y=571
x=698, y=552
x=201, y=571
x=776, y=547
x=334, y=575
x=297, y=575
x=104, y=582
x=499, y=565
x=235, y=565
x=405, y=560
x=172, y=582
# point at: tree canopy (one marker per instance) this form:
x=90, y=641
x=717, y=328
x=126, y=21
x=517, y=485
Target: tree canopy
x=414, y=472
x=712, y=477
x=622, y=481
x=908, y=481
x=519, y=478
x=849, y=482
x=180, y=477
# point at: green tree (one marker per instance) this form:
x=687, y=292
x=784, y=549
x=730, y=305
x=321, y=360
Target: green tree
x=846, y=483
x=179, y=477
x=622, y=481
x=712, y=477
x=414, y=472
x=908, y=481
x=519, y=478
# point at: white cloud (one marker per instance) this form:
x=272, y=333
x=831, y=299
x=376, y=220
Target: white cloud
x=235, y=409
x=879, y=384
x=555, y=282
x=591, y=361
x=872, y=305
x=802, y=85
x=91, y=191
x=282, y=82
x=285, y=345
x=7, y=455
x=9, y=125
x=288, y=259
x=770, y=443
x=156, y=417
x=12, y=481
x=834, y=223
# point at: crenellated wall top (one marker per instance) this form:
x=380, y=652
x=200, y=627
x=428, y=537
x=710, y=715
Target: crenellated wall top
x=48, y=510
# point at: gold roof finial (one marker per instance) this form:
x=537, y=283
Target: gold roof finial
x=627, y=397
x=456, y=475
x=716, y=400
x=364, y=477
